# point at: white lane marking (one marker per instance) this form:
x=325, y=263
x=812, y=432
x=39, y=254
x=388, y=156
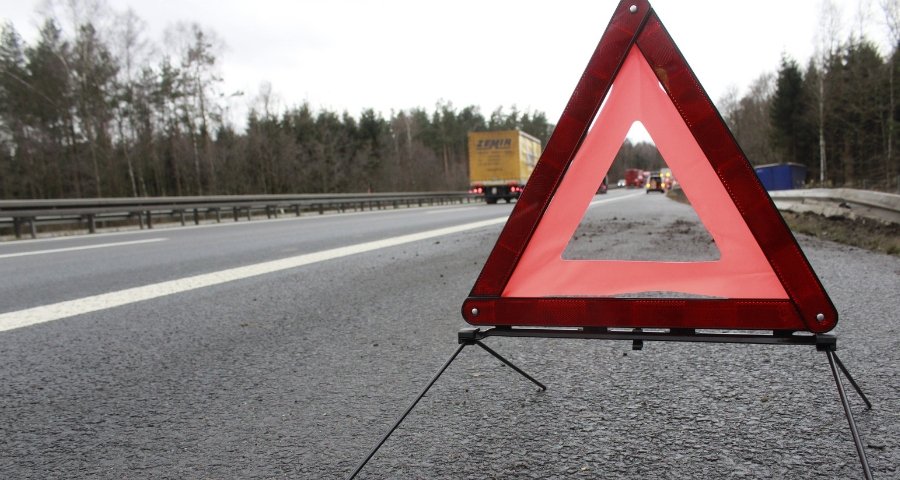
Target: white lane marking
x=83, y=247
x=445, y=210
x=614, y=199
x=56, y=311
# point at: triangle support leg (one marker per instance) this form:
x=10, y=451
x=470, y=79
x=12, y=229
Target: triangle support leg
x=832, y=360
x=403, y=417
x=467, y=336
x=509, y=364
x=852, y=382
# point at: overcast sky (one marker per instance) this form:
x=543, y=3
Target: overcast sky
x=396, y=54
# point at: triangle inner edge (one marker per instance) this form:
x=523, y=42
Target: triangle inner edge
x=742, y=272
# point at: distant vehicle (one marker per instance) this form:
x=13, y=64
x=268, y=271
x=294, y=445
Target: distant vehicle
x=620, y=183
x=500, y=163
x=634, y=178
x=667, y=178
x=655, y=183
x=604, y=186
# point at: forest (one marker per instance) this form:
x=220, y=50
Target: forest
x=87, y=112
x=837, y=116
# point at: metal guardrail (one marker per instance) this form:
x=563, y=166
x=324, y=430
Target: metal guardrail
x=840, y=202
x=89, y=213
x=15, y=215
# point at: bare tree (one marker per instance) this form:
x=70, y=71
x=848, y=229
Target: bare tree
x=197, y=50
x=749, y=120
x=131, y=50
x=827, y=41
x=891, y=11
x=71, y=15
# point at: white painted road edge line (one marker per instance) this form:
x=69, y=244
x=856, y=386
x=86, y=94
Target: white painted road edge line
x=454, y=210
x=83, y=247
x=615, y=199
x=56, y=311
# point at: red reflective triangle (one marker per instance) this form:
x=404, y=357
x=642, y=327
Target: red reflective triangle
x=762, y=280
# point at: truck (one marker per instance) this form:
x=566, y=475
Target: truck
x=500, y=163
x=634, y=178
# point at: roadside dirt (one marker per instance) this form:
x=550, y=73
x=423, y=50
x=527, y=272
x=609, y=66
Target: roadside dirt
x=863, y=233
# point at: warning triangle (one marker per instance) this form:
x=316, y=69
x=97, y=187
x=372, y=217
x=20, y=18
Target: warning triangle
x=762, y=280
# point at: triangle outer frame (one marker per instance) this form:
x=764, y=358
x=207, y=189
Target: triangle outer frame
x=808, y=307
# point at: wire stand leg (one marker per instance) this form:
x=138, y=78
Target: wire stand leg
x=509, y=364
x=402, y=417
x=849, y=414
x=852, y=382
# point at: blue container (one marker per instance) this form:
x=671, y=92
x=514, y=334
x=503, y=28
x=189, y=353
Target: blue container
x=781, y=176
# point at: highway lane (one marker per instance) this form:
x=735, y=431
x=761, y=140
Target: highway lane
x=31, y=280
x=296, y=373
x=37, y=273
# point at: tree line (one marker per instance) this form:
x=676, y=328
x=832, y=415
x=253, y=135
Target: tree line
x=837, y=115
x=91, y=108
x=89, y=113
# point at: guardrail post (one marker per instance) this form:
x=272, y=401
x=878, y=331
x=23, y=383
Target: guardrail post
x=140, y=219
x=268, y=212
x=297, y=209
x=249, y=212
x=196, y=217
x=275, y=210
x=92, y=224
x=234, y=211
x=31, y=223
x=149, y=219
x=321, y=209
x=218, y=215
x=17, y=227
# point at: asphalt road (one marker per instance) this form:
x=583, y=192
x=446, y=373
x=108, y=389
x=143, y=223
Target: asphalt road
x=296, y=371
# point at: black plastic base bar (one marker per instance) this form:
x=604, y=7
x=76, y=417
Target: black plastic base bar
x=462, y=344
x=820, y=341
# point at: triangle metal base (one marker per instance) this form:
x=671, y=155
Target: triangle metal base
x=823, y=342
